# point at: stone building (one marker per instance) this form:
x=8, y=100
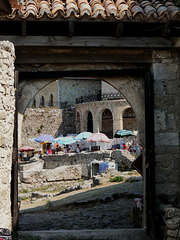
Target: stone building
x=133, y=46
x=75, y=101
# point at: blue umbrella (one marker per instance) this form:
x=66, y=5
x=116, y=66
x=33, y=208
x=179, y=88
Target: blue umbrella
x=123, y=133
x=44, y=138
x=83, y=135
x=64, y=140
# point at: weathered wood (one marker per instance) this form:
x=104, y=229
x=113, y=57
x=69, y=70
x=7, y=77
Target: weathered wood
x=119, y=29
x=79, y=55
x=76, y=67
x=23, y=27
x=71, y=29
x=81, y=41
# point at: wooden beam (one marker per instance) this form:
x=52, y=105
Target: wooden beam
x=119, y=29
x=56, y=55
x=23, y=27
x=89, y=41
x=71, y=28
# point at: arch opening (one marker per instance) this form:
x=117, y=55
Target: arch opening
x=107, y=123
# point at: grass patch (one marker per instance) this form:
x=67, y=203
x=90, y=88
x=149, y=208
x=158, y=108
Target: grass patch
x=24, y=198
x=24, y=191
x=116, y=179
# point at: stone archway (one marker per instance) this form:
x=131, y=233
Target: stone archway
x=90, y=122
x=132, y=89
x=107, y=123
x=129, y=120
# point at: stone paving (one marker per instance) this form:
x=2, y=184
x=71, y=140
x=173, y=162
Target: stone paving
x=105, y=207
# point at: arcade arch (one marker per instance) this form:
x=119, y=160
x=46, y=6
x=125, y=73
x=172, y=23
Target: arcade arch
x=107, y=123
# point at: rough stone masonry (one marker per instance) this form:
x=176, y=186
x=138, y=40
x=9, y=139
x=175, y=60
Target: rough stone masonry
x=7, y=110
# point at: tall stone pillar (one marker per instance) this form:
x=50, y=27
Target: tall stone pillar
x=118, y=119
x=96, y=126
x=7, y=111
x=166, y=72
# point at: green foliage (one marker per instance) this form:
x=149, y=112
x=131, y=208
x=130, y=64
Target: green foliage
x=24, y=198
x=131, y=180
x=24, y=191
x=41, y=127
x=39, y=130
x=124, y=168
x=116, y=179
x=24, y=116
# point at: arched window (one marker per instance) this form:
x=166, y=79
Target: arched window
x=90, y=122
x=42, y=102
x=51, y=100
x=107, y=123
x=129, y=120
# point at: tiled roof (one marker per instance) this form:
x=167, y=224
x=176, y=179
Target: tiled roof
x=145, y=10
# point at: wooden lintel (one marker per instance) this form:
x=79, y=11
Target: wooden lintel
x=23, y=27
x=119, y=29
x=71, y=28
x=89, y=41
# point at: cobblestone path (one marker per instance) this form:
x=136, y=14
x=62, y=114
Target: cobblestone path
x=103, y=208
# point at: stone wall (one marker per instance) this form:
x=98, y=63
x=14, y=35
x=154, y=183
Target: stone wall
x=122, y=157
x=39, y=175
x=166, y=71
x=50, y=88
x=69, y=90
x=38, y=121
x=7, y=110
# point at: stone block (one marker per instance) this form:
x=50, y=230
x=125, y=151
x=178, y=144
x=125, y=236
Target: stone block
x=167, y=139
x=159, y=88
x=165, y=71
x=173, y=223
x=162, y=54
x=172, y=87
x=173, y=233
x=167, y=189
x=171, y=212
x=3, y=115
x=160, y=120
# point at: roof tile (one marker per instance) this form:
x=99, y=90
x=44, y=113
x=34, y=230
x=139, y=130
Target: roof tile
x=120, y=9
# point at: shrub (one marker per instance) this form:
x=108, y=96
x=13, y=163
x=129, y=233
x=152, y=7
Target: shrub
x=116, y=179
x=39, y=130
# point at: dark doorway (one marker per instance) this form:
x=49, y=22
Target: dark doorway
x=107, y=123
x=90, y=122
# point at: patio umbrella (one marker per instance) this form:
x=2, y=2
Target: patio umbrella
x=83, y=135
x=44, y=138
x=98, y=137
x=123, y=133
x=26, y=149
x=64, y=140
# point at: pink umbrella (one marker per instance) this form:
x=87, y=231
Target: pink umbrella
x=26, y=149
x=98, y=137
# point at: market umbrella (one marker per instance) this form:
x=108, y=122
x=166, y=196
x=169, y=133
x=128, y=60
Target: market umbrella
x=83, y=135
x=64, y=140
x=98, y=137
x=44, y=138
x=123, y=133
x=26, y=149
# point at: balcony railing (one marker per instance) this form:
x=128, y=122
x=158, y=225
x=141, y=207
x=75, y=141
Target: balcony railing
x=111, y=96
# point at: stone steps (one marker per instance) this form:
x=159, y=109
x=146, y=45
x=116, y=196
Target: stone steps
x=98, y=234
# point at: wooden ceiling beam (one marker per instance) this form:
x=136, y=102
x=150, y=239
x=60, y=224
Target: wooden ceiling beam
x=89, y=41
